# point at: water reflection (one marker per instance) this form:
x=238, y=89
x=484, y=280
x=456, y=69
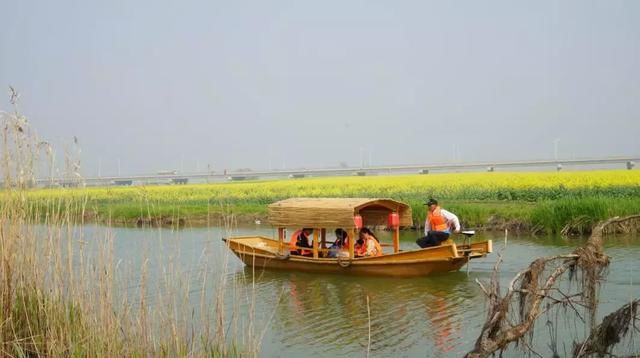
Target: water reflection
x=326, y=315
x=331, y=313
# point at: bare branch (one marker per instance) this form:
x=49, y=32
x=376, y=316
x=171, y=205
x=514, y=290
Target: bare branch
x=535, y=285
x=610, y=332
x=482, y=287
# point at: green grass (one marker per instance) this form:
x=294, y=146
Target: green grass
x=545, y=201
x=580, y=214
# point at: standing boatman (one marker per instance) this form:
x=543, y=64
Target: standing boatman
x=438, y=225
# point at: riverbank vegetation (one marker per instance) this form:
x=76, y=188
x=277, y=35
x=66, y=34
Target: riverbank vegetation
x=63, y=294
x=568, y=202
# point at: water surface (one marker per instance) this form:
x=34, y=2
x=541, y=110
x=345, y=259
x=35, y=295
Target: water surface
x=334, y=315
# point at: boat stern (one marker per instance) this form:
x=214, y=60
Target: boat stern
x=476, y=249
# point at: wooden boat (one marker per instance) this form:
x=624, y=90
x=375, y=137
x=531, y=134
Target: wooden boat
x=350, y=214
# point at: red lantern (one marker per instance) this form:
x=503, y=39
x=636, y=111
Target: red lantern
x=357, y=220
x=394, y=220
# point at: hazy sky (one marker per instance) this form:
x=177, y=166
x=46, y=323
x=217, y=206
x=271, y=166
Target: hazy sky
x=270, y=84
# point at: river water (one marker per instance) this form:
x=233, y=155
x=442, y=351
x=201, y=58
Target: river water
x=336, y=315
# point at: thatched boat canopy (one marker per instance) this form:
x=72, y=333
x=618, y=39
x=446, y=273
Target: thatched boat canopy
x=336, y=212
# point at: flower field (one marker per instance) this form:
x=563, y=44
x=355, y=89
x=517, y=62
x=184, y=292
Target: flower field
x=475, y=196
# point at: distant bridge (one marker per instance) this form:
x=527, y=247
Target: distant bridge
x=177, y=178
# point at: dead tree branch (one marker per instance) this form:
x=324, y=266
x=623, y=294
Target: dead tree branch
x=532, y=287
x=611, y=331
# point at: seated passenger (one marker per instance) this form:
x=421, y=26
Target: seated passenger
x=340, y=245
x=439, y=225
x=300, y=238
x=368, y=244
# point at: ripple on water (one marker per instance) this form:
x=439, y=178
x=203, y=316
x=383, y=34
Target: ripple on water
x=326, y=315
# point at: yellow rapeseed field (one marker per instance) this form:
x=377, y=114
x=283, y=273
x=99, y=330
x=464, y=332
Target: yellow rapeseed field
x=519, y=185
x=549, y=200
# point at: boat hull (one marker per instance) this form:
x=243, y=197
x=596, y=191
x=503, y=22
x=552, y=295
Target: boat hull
x=266, y=253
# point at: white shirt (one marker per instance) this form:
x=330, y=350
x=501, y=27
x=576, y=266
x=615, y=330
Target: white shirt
x=451, y=218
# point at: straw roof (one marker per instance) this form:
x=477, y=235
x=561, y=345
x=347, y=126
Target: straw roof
x=336, y=212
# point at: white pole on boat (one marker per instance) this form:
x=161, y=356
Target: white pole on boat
x=468, y=253
x=506, y=234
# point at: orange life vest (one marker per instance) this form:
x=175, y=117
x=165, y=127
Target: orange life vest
x=293, y=243
x=437, y=220
x=360, y=250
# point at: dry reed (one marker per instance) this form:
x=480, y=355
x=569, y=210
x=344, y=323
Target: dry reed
x=63, y=293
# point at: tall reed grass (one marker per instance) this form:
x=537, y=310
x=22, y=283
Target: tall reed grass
x=580, y=215
x=63, y=293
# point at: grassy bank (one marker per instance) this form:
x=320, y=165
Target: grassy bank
x=547, y=201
